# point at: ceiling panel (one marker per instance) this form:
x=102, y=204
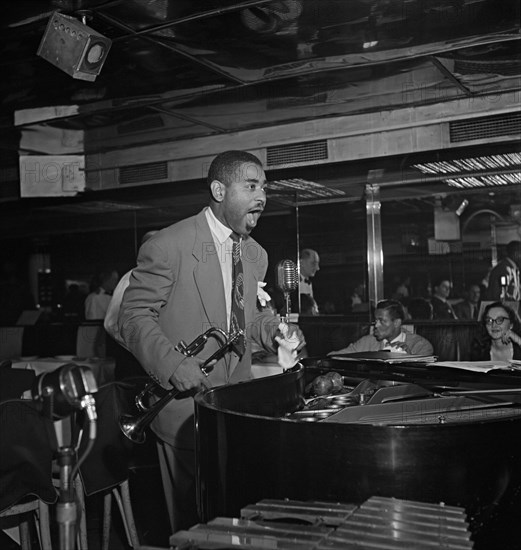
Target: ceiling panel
x=179, y=72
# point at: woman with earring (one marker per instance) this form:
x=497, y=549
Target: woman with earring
x=500, y=340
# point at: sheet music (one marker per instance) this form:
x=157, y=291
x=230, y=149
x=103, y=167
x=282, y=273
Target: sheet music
x=387, y=357
x=476, y=366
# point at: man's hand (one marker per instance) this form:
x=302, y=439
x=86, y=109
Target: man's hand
x=402, y=347
x=289, y=343
x=189, y=375
x=293, y=332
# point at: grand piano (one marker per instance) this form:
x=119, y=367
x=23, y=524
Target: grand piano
x=411, y=431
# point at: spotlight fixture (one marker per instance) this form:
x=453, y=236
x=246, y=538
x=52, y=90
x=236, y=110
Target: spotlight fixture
x=461, y=208
x=73, y=47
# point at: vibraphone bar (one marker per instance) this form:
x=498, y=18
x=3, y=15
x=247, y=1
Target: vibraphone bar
x=378, y=524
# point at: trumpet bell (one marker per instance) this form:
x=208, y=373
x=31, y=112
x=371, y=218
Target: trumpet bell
x=133, y=428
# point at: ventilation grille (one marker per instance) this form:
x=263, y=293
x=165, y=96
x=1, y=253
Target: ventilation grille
x=143, y=172
x=299, y=152
x=141, y=125
x=485, y=127
x=504, y=67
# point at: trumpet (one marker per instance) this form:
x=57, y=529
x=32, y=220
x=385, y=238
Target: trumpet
x=134, y=426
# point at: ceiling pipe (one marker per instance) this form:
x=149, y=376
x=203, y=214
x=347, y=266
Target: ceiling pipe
x=483, y=211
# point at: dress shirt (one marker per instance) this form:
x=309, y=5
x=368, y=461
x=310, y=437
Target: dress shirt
x=224, y=248
x=388, y=345
x=305, y=286
x=96, y=305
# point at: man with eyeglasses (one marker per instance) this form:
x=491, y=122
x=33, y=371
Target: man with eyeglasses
x=388, y=334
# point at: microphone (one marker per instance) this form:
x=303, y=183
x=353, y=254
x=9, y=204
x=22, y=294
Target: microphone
x=287, y=276
x=287, y=281
x=65, y=389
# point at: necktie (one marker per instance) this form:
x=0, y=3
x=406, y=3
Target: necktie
x=237, y=311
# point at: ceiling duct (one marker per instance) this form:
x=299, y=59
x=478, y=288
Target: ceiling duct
x=306, y=152
x=495, y=66
x=140, y=173
x=321, y=141
x=485, y=127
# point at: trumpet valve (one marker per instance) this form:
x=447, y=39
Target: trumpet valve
x=181, y=347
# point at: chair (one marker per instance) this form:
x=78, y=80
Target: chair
x=106, y=468
x=14, y=382
x=11, y=342
x=28, y=447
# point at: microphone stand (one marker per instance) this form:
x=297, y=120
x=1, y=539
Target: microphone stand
x=287, y=298
x=67, y=515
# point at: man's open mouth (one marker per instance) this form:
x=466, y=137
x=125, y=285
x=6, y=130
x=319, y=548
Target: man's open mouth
x=253, y=216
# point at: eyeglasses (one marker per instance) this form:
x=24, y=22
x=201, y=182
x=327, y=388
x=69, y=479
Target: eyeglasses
x=497, y=321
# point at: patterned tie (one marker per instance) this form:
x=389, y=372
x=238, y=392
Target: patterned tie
x=237, y=312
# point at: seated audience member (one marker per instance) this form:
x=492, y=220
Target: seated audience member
x=358, y=295
x=441, y=308
x=402, y=290
x=356, y=300
x=97, y=302
x=328, y=308
x=308, y=305
x=498, y=341
x=388, y=334
x=419, y=309
x=469, y=307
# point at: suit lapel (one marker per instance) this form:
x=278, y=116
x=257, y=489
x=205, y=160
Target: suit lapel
x=207, y=273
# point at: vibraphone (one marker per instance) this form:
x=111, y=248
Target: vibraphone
x=379, y=523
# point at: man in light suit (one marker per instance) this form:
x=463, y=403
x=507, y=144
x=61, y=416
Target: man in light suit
x=181, y=286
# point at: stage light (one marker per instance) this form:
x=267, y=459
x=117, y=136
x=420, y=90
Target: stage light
x=73, y=47
x=461, y=208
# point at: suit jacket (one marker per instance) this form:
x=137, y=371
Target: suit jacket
x=462, y=310
x=441, y=309
x=176, y=293
x=417, y=345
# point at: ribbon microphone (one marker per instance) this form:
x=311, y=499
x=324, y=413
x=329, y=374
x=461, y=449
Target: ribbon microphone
x=287, y=281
